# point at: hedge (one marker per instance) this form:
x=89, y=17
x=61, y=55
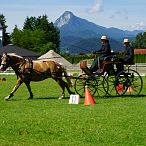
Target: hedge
x=138, y=58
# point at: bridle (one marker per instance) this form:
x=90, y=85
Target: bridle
x=5, y=62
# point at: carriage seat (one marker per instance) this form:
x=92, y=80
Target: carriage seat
x=129, y=63
x=108, y=58
x=112, y=59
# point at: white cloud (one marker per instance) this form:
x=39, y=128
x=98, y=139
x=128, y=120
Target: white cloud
x=97, y=7
x=138, y=26
x=120, y=14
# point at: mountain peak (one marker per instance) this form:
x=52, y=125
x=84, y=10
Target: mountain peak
x=64, y=19
x=68, y=13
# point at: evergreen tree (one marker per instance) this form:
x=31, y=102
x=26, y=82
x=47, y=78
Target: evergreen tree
x=6, y=37
x=16, y=36
x=30, y=23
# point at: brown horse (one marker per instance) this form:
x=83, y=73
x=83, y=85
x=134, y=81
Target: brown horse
x=36, y=70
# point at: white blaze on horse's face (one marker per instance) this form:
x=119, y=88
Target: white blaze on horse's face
x=4, y=59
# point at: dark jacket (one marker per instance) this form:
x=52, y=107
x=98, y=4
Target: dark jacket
x=129, y=54
x=105, y=49
x=105, y=52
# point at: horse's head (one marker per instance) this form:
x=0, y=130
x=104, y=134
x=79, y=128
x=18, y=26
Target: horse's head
x=4, y=62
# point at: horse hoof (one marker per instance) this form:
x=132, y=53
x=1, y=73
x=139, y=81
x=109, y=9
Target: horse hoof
x=63, y=95
x=7, y=98
x=60, y=97
x=30, y=98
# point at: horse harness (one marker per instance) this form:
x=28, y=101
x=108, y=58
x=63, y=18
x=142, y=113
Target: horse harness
x=23, y=70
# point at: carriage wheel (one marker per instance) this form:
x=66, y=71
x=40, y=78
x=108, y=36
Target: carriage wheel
x=82, y=81
x=130, y=82
x=80, y=85
x=92, y=84
x=96, y=84
x=102, y=86
x=111, y=82
x=121, y=83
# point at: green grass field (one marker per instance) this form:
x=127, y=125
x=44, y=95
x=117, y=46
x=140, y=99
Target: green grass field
x=47, y=121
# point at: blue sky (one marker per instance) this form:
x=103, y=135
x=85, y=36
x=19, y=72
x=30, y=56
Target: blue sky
x=123, y=14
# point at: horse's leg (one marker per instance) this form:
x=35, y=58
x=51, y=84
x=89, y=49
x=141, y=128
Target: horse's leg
x=63, y=84
x=18, y=83
x=67, y=87
x=29, y=89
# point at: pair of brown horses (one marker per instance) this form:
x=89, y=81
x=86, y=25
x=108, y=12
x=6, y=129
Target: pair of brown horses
x=36, y=70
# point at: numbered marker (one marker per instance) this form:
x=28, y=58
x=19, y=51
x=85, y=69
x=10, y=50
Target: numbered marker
x=74, y=99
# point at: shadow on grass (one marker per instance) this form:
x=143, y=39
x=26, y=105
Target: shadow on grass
x=35, y=98
x=116, y=96
x=44, y=98
x=96, y=97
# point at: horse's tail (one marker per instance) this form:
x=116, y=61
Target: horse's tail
x=68, y=78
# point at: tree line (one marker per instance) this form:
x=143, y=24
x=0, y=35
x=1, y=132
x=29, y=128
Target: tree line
x=140, y=41
x=37, y=34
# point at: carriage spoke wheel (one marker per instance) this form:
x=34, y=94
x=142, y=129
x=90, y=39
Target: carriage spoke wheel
x=131, y=84
x=80, y=85
x=135, y=83
x=91, y=82
x=84, y=80
x=121, y=83
x=96, y=84
x=111, y=82
x=102, y=86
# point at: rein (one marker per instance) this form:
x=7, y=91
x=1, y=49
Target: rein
x=21, y=67
x=17, y=64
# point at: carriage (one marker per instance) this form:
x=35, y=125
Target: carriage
x=106, y=81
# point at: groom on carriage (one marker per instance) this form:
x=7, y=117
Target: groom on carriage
x=128, y=55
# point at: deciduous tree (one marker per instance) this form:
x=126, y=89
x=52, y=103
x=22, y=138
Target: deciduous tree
x=37, y=34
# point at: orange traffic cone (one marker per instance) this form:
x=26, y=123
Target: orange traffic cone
x=130, y=89
x=88, y=97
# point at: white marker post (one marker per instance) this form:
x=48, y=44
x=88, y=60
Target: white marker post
x=74, y=99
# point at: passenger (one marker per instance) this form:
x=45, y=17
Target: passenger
x=128, y=55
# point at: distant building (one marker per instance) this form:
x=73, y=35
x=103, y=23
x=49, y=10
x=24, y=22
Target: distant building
x=139, y=51
x=11, y=49
x=1, y=35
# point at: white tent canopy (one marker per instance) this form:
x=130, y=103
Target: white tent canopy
x=52, y=55
x=14, y=54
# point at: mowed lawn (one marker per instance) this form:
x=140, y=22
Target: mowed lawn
x=47, y=121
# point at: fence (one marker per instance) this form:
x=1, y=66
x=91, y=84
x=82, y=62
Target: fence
x=139, y=67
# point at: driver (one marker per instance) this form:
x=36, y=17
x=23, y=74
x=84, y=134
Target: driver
x=105, y=52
